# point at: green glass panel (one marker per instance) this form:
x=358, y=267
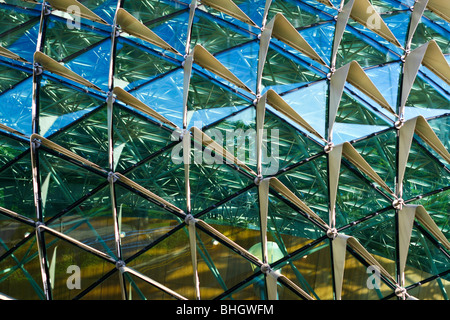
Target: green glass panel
x=64, y=44
x=20, y=276
x=212, y=180
x=309, y=182
x=63, y=183
x=424, y=259
x=424, y=95
x=16, y=188
x=238, y=133
x=149, y=10
x=289, y=228
x=67, y=262
x=424, y=34
x=239, y=213
x=437, y=206
x=380, y=153
x=167, y=177
x=356, y=198
x=283, y=145
x=135, y=138
x=87, y=137
x=353, y=48
x=140, y=221
x=281, y=71
x=11, y=18
x=10, y=77
x=378, y=235
x=11, y=148
x=134, y=66
x=215, y=37
x=60, y=106
x=205, y=94
x=353, y=111
x=423, y=173
x=297, y=15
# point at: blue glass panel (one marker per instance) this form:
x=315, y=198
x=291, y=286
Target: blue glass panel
x=165, y=96
x=93, y=65
x=15, y=110
x=311, y=104
x=243, y=63
x=174, y=31
x=386, y=79
x=25, y=46
x=321, y=39
x=343, y=132
x=398, y=23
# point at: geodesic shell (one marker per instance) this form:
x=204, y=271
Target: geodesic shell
x=317, y=137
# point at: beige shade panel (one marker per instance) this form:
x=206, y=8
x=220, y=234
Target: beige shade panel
x=57, y=148
x=11, y=55
x=208, y=142
x=419, y=126
x=339, y=249
x=440, y=8
x=206, y=60
x=364, y=13
x=428, y=55
x=54, y=67
x=130, y=100
x=355, y=75
x=134, y=27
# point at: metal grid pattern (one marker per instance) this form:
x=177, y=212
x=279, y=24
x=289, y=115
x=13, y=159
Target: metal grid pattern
x=101, y=99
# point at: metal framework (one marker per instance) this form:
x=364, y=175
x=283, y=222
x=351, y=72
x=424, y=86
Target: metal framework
x=97, y=98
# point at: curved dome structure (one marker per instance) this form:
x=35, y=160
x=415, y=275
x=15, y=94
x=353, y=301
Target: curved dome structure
x=224, y=149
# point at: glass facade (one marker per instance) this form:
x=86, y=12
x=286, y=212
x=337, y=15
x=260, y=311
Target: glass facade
x=219, y=149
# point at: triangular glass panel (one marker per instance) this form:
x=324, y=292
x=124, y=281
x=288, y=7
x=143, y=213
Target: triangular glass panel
x=164, y=95
x=87, y=137
x=168, y=179
x=136, y=138
x=209, y=101
x=90, y=222
x=141, y=222
x=214, y=36
x=16, y=188
x=61, y=105
x=64, y=43
x=21, y=277
x=364, y=51
x=356, y=198
x=418, y=180
x=72, y=269
x=63, y=183
x=11, y=148
x=378, y=235
x=283, y=73
x=135, y=66
x=308, y=181
x=11, y=77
